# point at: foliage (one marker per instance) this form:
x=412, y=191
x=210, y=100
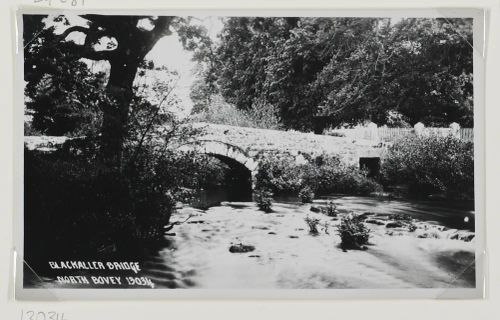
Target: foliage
x=330, y=71
x=431, y=164
x=264, y=199
x=82, y=206
x=331, y=209
x=279, y=174
x=62, y=93
x=353, y=233
x=395, y=119
x=312, y=224
x=85, y=207
x=117, y=186
x=80, y=199
x=412, y=227
x=55, y=61
x=329, y=175
x=306, y=194
x=220, y=112
x=321, y=176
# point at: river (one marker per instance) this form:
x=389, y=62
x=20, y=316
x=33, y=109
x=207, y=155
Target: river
x=195, y=254
x=286, y=255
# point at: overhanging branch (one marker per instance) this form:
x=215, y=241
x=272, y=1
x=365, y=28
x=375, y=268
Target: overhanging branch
x=92, y=35
x=70, y=30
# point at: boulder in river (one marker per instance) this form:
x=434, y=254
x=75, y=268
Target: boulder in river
x=468, y=238
x=315, y=209
x=375, y=221
x=241, y=248
x=365, y=215
x=394, y=224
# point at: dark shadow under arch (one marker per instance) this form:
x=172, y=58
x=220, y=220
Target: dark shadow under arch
x=238, y=179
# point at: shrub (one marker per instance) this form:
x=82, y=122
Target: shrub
x=412, y=227
x=306, y=194
x=327, y=175
x=264, y=199
x=353, y=233
x=313, y=225
x=431, y=164
x=331, y=209
x=321, y=175
x=278, y=174
x=86, y=207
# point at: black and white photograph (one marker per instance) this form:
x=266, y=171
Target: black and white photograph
x=242, y=152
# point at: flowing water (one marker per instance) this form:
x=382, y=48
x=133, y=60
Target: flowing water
x=286, y=255
x=196, y=253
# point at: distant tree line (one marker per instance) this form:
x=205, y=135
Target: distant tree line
x=325, y=72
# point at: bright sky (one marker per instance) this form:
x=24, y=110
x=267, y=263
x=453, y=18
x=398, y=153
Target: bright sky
x=169, y=52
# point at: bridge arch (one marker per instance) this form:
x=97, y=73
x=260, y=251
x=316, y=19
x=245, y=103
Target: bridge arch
x=227, y=152
x=242, y=166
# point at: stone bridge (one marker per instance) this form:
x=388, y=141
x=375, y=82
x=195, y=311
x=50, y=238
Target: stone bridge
x=246, y=146
x=242, y=148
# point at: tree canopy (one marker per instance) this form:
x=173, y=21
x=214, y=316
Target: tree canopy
x=60, y=86
x=337, y=71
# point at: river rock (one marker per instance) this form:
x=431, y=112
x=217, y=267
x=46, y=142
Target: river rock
x=394, y=224
x=468, y=238
x=374, y=221
x=315, y=209
x=196, y=222
x=365, y=215
x=241, y=248
x=260, y=227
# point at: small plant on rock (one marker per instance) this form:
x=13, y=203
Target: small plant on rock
x=264, y=200
x=403, y=217
x=331, y=209
x=313, y=225
x=306, y=194
x=353, y=233
x=412, y=227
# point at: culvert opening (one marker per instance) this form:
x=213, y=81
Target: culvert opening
x=371, y=165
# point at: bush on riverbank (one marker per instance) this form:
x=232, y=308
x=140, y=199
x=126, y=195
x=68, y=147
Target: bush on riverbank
x=321, y=175
x=327, y=175
x=278, y=174
x=431, y=164
x=86, y=208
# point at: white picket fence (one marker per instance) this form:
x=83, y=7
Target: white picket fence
x=385, y=134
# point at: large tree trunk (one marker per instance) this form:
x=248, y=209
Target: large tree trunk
x=115, y=115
